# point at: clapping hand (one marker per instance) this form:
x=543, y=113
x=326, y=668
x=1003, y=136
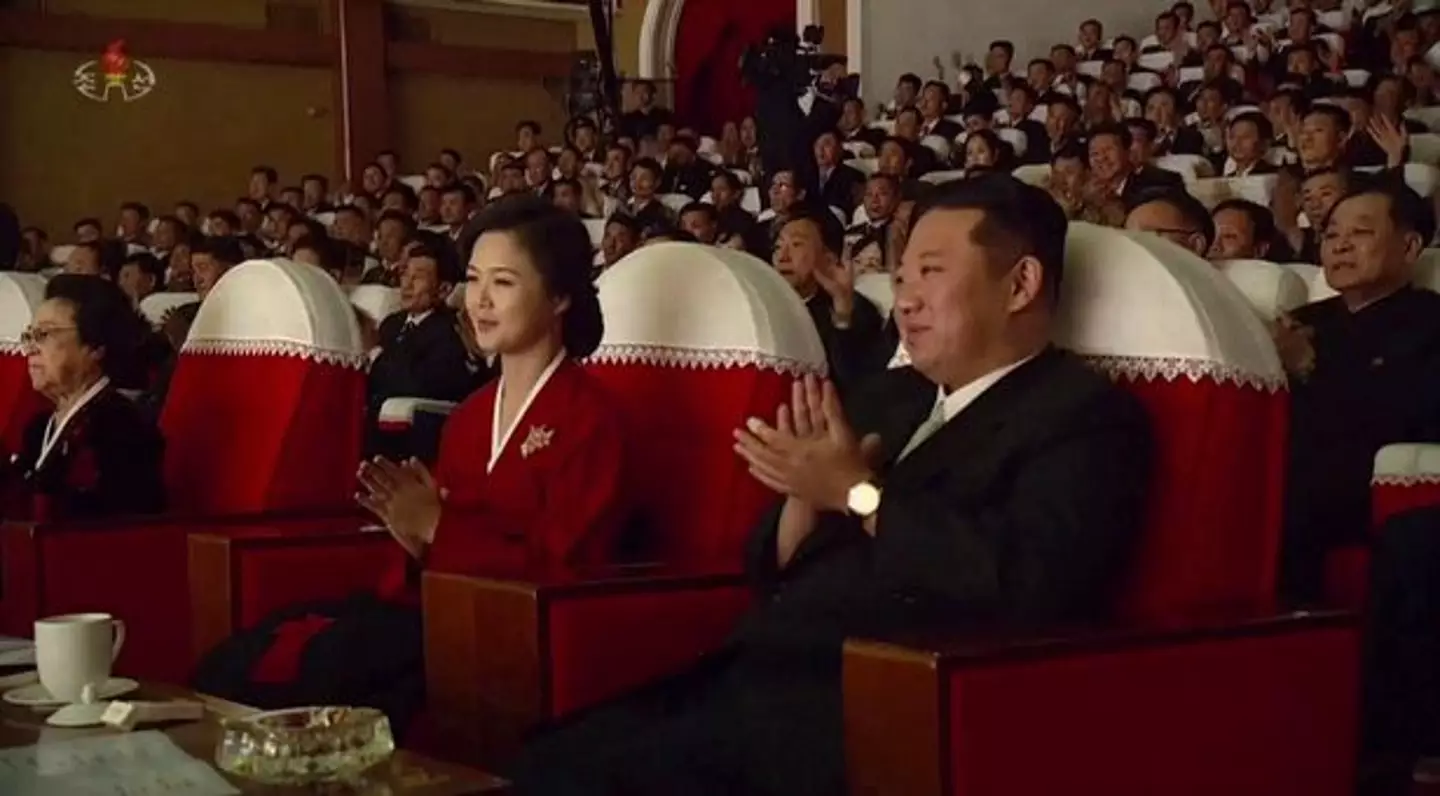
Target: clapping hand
x=405, y=498
x=837, y=279
x=810, y=454
x=1390, y=137
x=1295, y=345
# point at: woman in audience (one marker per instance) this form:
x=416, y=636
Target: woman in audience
x=531, y=477
x=985, y=151
x=94, y=455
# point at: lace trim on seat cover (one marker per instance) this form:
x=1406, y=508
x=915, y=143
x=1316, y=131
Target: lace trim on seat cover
x=1405, y=479
x=701, y=358
x=1161, y=368
x=1172, y=368
x=11, y=348
x=355, y=360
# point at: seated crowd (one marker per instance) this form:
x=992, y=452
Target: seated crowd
x=879, y=525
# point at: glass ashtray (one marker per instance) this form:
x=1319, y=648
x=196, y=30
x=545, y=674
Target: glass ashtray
x=305, y=745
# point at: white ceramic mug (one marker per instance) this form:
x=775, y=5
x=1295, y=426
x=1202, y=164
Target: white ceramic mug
x=76, y=650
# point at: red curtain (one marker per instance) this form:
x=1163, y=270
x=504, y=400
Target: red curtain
x=708, y=43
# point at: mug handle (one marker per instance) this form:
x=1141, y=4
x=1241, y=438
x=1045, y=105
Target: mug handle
x=119, y=639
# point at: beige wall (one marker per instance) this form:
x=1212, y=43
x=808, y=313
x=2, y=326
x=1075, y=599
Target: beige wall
x=832, y=17
x=472, y=115
x=195, y=136
x=505, y=31
x=627, y=37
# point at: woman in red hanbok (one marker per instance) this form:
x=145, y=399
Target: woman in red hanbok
x=530, y=477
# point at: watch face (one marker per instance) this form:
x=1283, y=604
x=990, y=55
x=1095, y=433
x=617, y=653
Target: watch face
x=864, y=499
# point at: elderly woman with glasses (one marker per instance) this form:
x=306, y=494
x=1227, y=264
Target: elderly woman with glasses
x=95, y=454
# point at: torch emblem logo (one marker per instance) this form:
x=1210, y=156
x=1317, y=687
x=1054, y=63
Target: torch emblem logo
x=114, y=74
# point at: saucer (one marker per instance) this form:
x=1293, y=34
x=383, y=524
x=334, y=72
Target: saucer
x=36, y=696
x=79, y=715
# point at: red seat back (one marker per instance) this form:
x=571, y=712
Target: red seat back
x=266, y=405
x=1186, y=342
x=697, y=340
x=20, y=294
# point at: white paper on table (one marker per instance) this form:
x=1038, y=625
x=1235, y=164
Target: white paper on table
x=16, y=651
x=133, y=764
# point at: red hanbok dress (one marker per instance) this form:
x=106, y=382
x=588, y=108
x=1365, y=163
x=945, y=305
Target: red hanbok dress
x=547, y=494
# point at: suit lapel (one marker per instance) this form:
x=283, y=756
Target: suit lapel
x=971, y=430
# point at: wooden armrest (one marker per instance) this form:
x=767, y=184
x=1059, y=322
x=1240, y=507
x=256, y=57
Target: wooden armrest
x=190, y=520
x=901, y=695
x=214, y=561
x=491, y=643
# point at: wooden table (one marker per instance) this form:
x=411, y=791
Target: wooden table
x=406, y=774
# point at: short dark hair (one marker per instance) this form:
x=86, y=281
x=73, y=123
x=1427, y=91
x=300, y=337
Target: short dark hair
x=437, y=247
x=625, y=220
x=832, y=232
x=312, y=227
x=649, y=164
x=140, y=210
x=330, y=254
x=1209, y=23
x=454, y=153
x=271, y=175
x=1045, y=62
x=1408, y=211
x=228, y=216
x=148, y=264
x=320, y=178
x=1116, y=129
x=224, y=249
x=1142, y=124
x=89, y=222
x=1071, y=151
x=527, y=124
x=1007, y=46
x=352, y=210
x=700, y=207
x=403, y=219
x=1126, y=38
x=730, y=179
x=1262, y=124
x=559, y=247
x=1189, y=207
x=466, y=192
x=407, y=194
x=104, y=319
x=911, y=79
x=245, y=200
x=188, y=205
x=1262, y=221
x=1339, y=114
x=1018, y=220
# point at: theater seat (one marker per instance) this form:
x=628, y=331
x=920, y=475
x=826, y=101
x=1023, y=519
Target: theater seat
x=156, y=307
x=20, y=294
x=1271, y=289
x=262, y=427
x=1406, y=476
x=1196, y=687
x=502, y=653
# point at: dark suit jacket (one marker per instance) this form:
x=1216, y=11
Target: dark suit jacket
x=845, y=347
x=1021, y=510
x=428, y=361
x=1037, y=141
x=1148, y=179
x=842, y=189
x=108, y=462
x=946, y=129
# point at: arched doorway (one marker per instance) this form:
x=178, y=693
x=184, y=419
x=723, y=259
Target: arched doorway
x=702, y=41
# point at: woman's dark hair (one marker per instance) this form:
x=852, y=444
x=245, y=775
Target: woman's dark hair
x=104, y=320
x=559, y=246
x=332, y=259
x=1004, y=154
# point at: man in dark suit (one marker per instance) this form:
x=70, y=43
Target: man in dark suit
x=421, y=354
x=934, y=102
x=1117, y=165
x=997, y=481
x=838, y=184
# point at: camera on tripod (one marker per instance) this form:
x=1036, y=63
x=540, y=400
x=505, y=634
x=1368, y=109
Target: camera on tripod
x=789, y=61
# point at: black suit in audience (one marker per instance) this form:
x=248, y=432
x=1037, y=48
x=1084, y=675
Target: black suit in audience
x=841, y=187
x=1147, y=180
x=421, y=352
x=1018, y=510
x=1375, y=379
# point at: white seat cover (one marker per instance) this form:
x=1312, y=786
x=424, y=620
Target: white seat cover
x=596, y=228
x=1425, y=148
x=879, y=289
x=1037, y=174
x=378, y=302
x=158, y=305
x=20, y=294
x=703, y=331
x=1270, y=288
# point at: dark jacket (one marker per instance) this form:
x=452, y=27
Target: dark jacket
x=426, y=361
x=107, y=463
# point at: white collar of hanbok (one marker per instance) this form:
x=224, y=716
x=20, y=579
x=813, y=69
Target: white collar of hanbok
x=499, y=439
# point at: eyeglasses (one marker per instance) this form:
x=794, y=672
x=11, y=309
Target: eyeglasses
x=37, y=335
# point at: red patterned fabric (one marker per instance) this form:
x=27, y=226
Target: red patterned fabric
x=1213, y=534
x=253, y=433
x=699, y=497
x=1257, y=716
x=710, y=38
x=19, y=403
